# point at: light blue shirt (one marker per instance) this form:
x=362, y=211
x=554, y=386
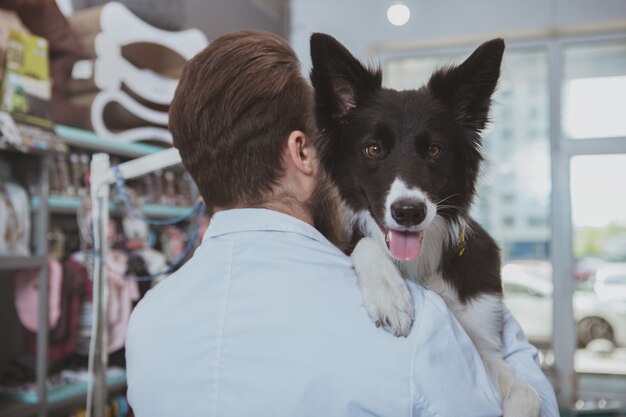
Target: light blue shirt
x=267, y=319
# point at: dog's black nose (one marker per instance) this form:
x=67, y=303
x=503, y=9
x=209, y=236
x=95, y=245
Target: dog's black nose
x=408, y=214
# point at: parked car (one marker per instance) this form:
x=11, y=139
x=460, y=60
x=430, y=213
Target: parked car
x=610, y=283
x=585, y=268
x=529, y=297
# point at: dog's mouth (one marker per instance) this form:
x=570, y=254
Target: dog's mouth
x=404, y=245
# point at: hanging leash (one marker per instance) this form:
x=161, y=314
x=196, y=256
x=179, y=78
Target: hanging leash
x=122, y=190
x=198, y=209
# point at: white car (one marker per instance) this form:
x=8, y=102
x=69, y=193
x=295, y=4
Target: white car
x=610, y=282
x=529, y=297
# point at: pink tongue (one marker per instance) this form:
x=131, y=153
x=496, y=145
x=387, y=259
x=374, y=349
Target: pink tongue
x=404, y=245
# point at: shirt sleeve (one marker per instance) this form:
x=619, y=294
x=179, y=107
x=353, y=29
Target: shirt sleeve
x=523, y=360
x=448, y=376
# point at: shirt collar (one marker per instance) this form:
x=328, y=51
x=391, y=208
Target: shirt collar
x=259, y=219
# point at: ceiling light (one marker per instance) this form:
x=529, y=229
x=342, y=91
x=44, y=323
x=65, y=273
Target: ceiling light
x=398, y=13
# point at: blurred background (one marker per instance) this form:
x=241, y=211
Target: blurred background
x=552, y=191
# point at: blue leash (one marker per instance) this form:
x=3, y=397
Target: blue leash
x=136, y=213
x=199, y=208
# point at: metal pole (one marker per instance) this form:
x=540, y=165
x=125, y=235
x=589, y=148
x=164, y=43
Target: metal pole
x=41, y=244
x=564, y=334
x=139, y=166
x=101, y=177
x=98, y=392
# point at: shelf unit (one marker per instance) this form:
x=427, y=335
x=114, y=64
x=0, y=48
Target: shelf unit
x=15, y=409
x=89, y=140
x=69, y=205
x=37, y=260
x=42, y=206
x=10, y=263
x=67, y=404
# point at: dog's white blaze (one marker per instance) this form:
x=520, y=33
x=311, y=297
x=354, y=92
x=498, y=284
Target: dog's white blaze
x=400, y=191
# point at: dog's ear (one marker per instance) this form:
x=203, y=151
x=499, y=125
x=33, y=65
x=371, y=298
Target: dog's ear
x=341, y=82
x=467, y=88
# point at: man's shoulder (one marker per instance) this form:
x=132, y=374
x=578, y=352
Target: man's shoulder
x=276, y=264
x=283, y=270
x=278, y=250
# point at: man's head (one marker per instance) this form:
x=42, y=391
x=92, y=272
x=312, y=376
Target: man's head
x=242, y=121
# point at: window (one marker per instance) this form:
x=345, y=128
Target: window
x=508, y=198
x=599, y=220
x=508, y=221
x=615, y=279
x=534, y=113
x=512, y=289
x=594, y=90
x=412, y=73
x=593, y=93
x=518, y=167
x=537, y=221
x=599, y=207
x=506, y=134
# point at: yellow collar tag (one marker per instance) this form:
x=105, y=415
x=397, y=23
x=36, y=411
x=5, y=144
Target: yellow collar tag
x=461, y=244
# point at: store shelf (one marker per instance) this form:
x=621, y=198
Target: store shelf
x=31, y=152
x=15, y=409
x=89, y=140
x=63, y=400
x=69, y=205
x=20, y=262
x=79, y=399
x=158, y=210
x=35, y=141
x=58, y=204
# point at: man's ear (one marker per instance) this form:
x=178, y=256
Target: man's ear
x=467, y=88
x=341, y=82
x=301, y=153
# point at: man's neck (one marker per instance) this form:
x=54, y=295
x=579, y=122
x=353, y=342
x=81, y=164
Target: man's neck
x=297, y=211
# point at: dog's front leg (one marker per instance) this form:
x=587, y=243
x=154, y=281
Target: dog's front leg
x=385, y=293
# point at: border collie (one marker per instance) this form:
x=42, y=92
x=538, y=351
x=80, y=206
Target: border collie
x=406, y=165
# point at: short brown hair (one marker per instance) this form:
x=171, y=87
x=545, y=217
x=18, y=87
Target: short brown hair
x=235, y=105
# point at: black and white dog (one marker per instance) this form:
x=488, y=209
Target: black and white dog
x=406, y=165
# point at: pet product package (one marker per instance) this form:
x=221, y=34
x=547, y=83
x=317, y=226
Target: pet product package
x=9, y=22
x=26, y=88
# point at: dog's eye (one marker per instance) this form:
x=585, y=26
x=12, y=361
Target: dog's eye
x=374, y=150
x=434, y=150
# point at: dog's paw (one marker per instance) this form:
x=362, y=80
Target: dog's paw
x=390, y=306
x=385, y=294
x=521, y=401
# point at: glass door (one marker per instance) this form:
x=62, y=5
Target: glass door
x=593, y=125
